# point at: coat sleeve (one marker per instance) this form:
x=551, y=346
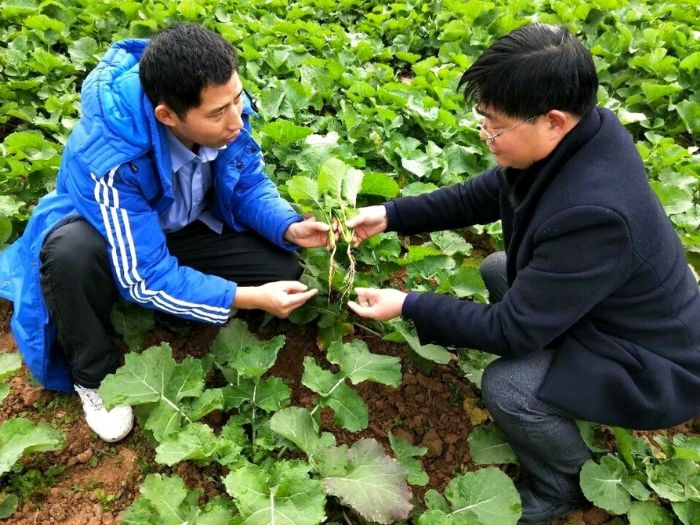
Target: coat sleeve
x=257, y=204
x=581, y=256
x=144, y=270
x=475, y=201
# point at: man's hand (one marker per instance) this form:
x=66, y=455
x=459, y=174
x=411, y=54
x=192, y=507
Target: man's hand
x=379, y=304
x=280, y=298
x=308, y=233
x=369, y=221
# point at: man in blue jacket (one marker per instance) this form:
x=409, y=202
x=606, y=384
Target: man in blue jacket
x=594, y=311
x=161, y=197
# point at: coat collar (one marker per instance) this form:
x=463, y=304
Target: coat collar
x=524, y=187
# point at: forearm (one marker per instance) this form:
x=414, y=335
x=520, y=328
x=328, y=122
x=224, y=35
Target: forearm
x=474, y=202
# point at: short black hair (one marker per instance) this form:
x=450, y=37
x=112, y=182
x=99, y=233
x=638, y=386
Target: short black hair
x=532, y=70
x=182, y=60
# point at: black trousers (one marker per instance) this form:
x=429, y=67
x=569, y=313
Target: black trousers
x=545, y=439
x=79, y=289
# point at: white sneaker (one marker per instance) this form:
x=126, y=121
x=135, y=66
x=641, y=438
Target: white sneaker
x=109, y=425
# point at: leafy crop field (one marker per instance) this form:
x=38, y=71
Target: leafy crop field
x=324, y=418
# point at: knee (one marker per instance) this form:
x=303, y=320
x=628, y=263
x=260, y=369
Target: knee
x=493, y=266
x=499, y=393
x=73, y=247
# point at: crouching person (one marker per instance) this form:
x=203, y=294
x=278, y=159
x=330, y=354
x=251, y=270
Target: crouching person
x=594, y=311
x=160, y=198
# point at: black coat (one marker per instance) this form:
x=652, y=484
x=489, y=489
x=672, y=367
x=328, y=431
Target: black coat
x=596, y=271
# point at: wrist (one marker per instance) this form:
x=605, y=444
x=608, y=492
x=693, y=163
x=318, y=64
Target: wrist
x=289, y=233
x=246, y=298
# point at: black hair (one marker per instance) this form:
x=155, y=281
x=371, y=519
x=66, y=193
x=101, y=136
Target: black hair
x=532, y=70
x=182, y=60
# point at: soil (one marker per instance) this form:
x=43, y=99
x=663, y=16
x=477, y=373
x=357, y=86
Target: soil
x=91, y=482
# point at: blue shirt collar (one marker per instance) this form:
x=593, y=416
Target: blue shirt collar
x=181, y=154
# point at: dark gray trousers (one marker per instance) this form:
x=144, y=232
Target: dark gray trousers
x=79, y=289
x=545, y=439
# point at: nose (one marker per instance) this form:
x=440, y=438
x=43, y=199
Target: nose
x=235, y=121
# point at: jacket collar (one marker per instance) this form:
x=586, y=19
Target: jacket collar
x=525, y=186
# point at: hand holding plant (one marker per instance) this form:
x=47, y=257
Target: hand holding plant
x=309, y=233
x=369, y=221
x=378, y=304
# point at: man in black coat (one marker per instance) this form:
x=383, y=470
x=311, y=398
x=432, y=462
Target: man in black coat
x=594, y=311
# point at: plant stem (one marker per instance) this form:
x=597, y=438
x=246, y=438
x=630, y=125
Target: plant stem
x=368, y=329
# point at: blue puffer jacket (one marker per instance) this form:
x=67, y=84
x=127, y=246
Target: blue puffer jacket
x=116, y=173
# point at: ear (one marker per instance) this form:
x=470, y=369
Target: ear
x=165, y=115
x=559, y=123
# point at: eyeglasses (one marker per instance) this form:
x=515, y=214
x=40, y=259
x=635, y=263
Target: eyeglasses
x=490, y=139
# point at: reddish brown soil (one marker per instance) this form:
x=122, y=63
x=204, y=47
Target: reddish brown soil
x=100, y=480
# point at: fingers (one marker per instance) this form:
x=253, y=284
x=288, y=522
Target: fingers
x=292, y=287
x=357, y=219
x=362, y=311
x=294, y=301
x=315, y=225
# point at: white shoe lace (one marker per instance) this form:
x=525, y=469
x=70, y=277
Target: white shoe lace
x=90, y=396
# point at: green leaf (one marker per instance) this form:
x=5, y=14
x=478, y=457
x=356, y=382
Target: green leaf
x=321, y=381
x=488, y=445
x=154, y=377
x=352, y=182
x=675, y=200
x=20, y=437
x=8, y=506
x=691, y=62
x=287, y=99
x=675, y=479
x=689, y=111
x=648, y=513
x=232, y=338
x=83, y=50
x=194, y=442
x=10, y=206
x=359, y=364
x=298, y=426
x=624, y=442
x=211, y=399
x=379, y=184
x=687, y=511
x=419, y=166
x=5, y=230
x=409, y=455
x=435, y=353
x=133, y=323
x=373, y=484
x=481, y=498
x=285, y=132
x=686, y=447
x=272, y=394
x=588, y=433
x=418, y=188
x=4, y=391
x=350, y=411
x=330, y=177
x=653, y=91
x=603, y=484
x=255, y=360
x=10, y=363
x=451, y=243
x=303, y=189
x=167, y=501
x=237, y=347
x=279, y=492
